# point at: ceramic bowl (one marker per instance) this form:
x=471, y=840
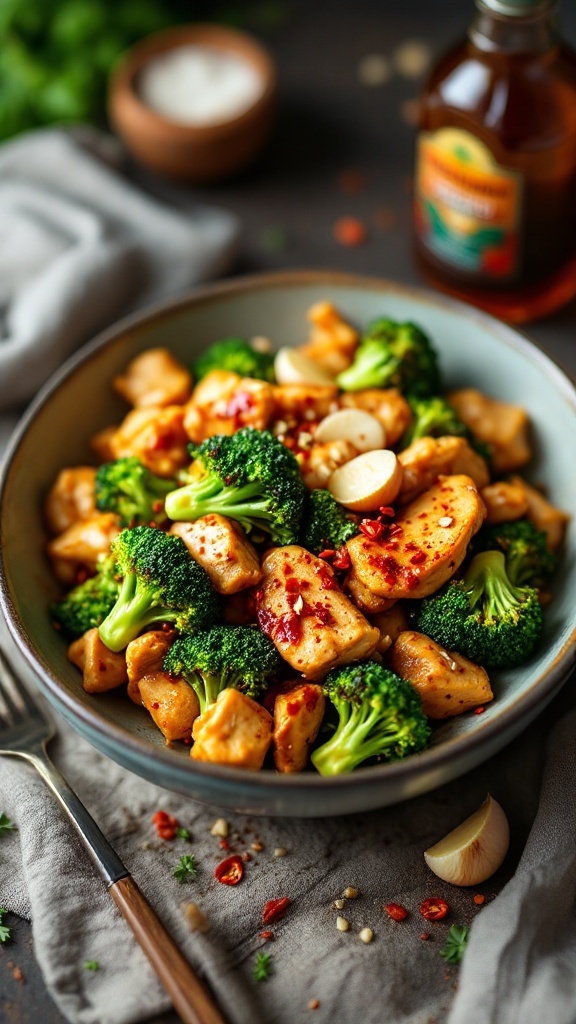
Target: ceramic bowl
x=202, y=153
x=78, y=401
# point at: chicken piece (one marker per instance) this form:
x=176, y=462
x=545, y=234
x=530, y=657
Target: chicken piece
x=80, y=546
x=101, y=668
x=391, y=623
x=364, y=599
x=101, y=443
x=424, y=545
x=504, y=502
x=553, y=521
x=502, y=426
x=319, y=461
x=311, y=622
x=156, y=436
x=448, y=683
x=298, y=716
x=388, y=406
x=154, y=378
x=427, y=458
x=332, y=341
x=295, y=403
x=70, y=498
x=144, y=656
x=222, y=548
x=234, y=730
x=172, y=704
x=223, y=402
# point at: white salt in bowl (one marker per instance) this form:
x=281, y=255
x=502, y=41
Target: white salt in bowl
x=195, y=102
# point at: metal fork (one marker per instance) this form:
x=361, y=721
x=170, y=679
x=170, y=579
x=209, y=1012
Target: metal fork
x=25, y=732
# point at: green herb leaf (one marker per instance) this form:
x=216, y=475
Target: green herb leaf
x=5, y=824
x=456, y=943
x=183, y=833
x=92, y=965
x=262, y=967
x=186, y=869
x=5, y=931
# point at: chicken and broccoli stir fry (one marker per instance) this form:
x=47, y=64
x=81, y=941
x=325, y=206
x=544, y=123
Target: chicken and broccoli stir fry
x=303, y=559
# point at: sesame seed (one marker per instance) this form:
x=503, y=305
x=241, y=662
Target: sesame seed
x=366, y=935
x=342, y=924
x=445, y=521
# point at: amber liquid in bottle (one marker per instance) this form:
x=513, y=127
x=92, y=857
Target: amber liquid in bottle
x=495, y=185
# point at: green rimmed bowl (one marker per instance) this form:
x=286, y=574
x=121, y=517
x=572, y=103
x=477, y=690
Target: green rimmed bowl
x=78, y=401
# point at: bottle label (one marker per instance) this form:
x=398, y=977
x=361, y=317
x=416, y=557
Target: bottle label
x=467, y=207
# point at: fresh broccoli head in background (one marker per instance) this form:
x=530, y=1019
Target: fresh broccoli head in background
x=529, y=562
x=161, y=582
x=87, y=605
x=433, y=417
x=379, y=716
x=237, y=355
x=249, y=476
x=483, y=615
x=130, y=490
x=393, y=354
x=240, y=657
x=326, y=524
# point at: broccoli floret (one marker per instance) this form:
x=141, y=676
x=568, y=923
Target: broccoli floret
x=225, y=656
x=396, y=355
x=483, y=615
x=326, y=524
x=529, y=562
x=161, y=582
x=380, y=715
x=87, y=605
x=249, y=476
x=130, y=490
x=433, y=417
x=237, y=355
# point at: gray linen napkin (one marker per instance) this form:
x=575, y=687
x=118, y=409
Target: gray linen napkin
x=399, y=978
x=80, y=246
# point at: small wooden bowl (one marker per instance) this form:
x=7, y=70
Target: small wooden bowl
x=195, y=153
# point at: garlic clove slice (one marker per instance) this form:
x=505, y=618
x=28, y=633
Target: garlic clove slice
x=293, y=367
x=474, y=850
x=368, y=481
x=362, y=429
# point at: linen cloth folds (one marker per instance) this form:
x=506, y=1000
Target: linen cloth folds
x=80, y=246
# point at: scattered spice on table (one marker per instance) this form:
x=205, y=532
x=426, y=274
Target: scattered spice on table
x=230, y=871
x=479, y=899
x=456, y=943
x=274, y=910
x=5, y=824
x=186, y=868
x=349, y=231
x=342, y=924
x=396, y=911
x=313, y=1004
x=434, y=909
x=184, y=833
x=91, y=965
x=165, y=824
x=280, y=851
x=196, y=918
x=262, y=967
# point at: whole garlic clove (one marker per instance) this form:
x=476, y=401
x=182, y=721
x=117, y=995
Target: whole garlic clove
x=293, y=367
x=474, y=850
x=365, y=483
x=362, y=429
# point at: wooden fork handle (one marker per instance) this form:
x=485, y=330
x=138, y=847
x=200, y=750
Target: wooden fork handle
x=188, y=994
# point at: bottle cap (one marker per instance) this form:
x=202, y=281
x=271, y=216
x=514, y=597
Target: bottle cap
x=518, y=8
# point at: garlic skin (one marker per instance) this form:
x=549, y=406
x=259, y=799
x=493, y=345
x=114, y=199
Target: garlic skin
x=474, y=850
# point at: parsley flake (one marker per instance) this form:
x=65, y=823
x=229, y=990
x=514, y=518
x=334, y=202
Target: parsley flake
x=184, y=833
x=5, y=931
x=262, y=967
x=92, y=965
x=456, y=943
x=5, y=824
x=187, y=868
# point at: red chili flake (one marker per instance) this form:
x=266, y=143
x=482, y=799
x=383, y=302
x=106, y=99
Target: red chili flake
x=292, y=585
x=246, y=856
x=425, y=936
x=323, y=614
x=342, y=558
x=479, y=899
x=275, y=909
x=155, y=705
x=266, y=935
x=224, y=844
x=349, y=231
x=372, y=528
x=386, y=510
x=396, y=911
x=434, y=909
x=313, y=1004
x=165, y=824
x=327, y=554
x=230, y=871
x=292, y=707
x=418, y=558
x=327, y=582
x=288, y=629
x=479, y=711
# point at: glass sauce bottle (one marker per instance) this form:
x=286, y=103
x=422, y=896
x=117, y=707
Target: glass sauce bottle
x=495, y=184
